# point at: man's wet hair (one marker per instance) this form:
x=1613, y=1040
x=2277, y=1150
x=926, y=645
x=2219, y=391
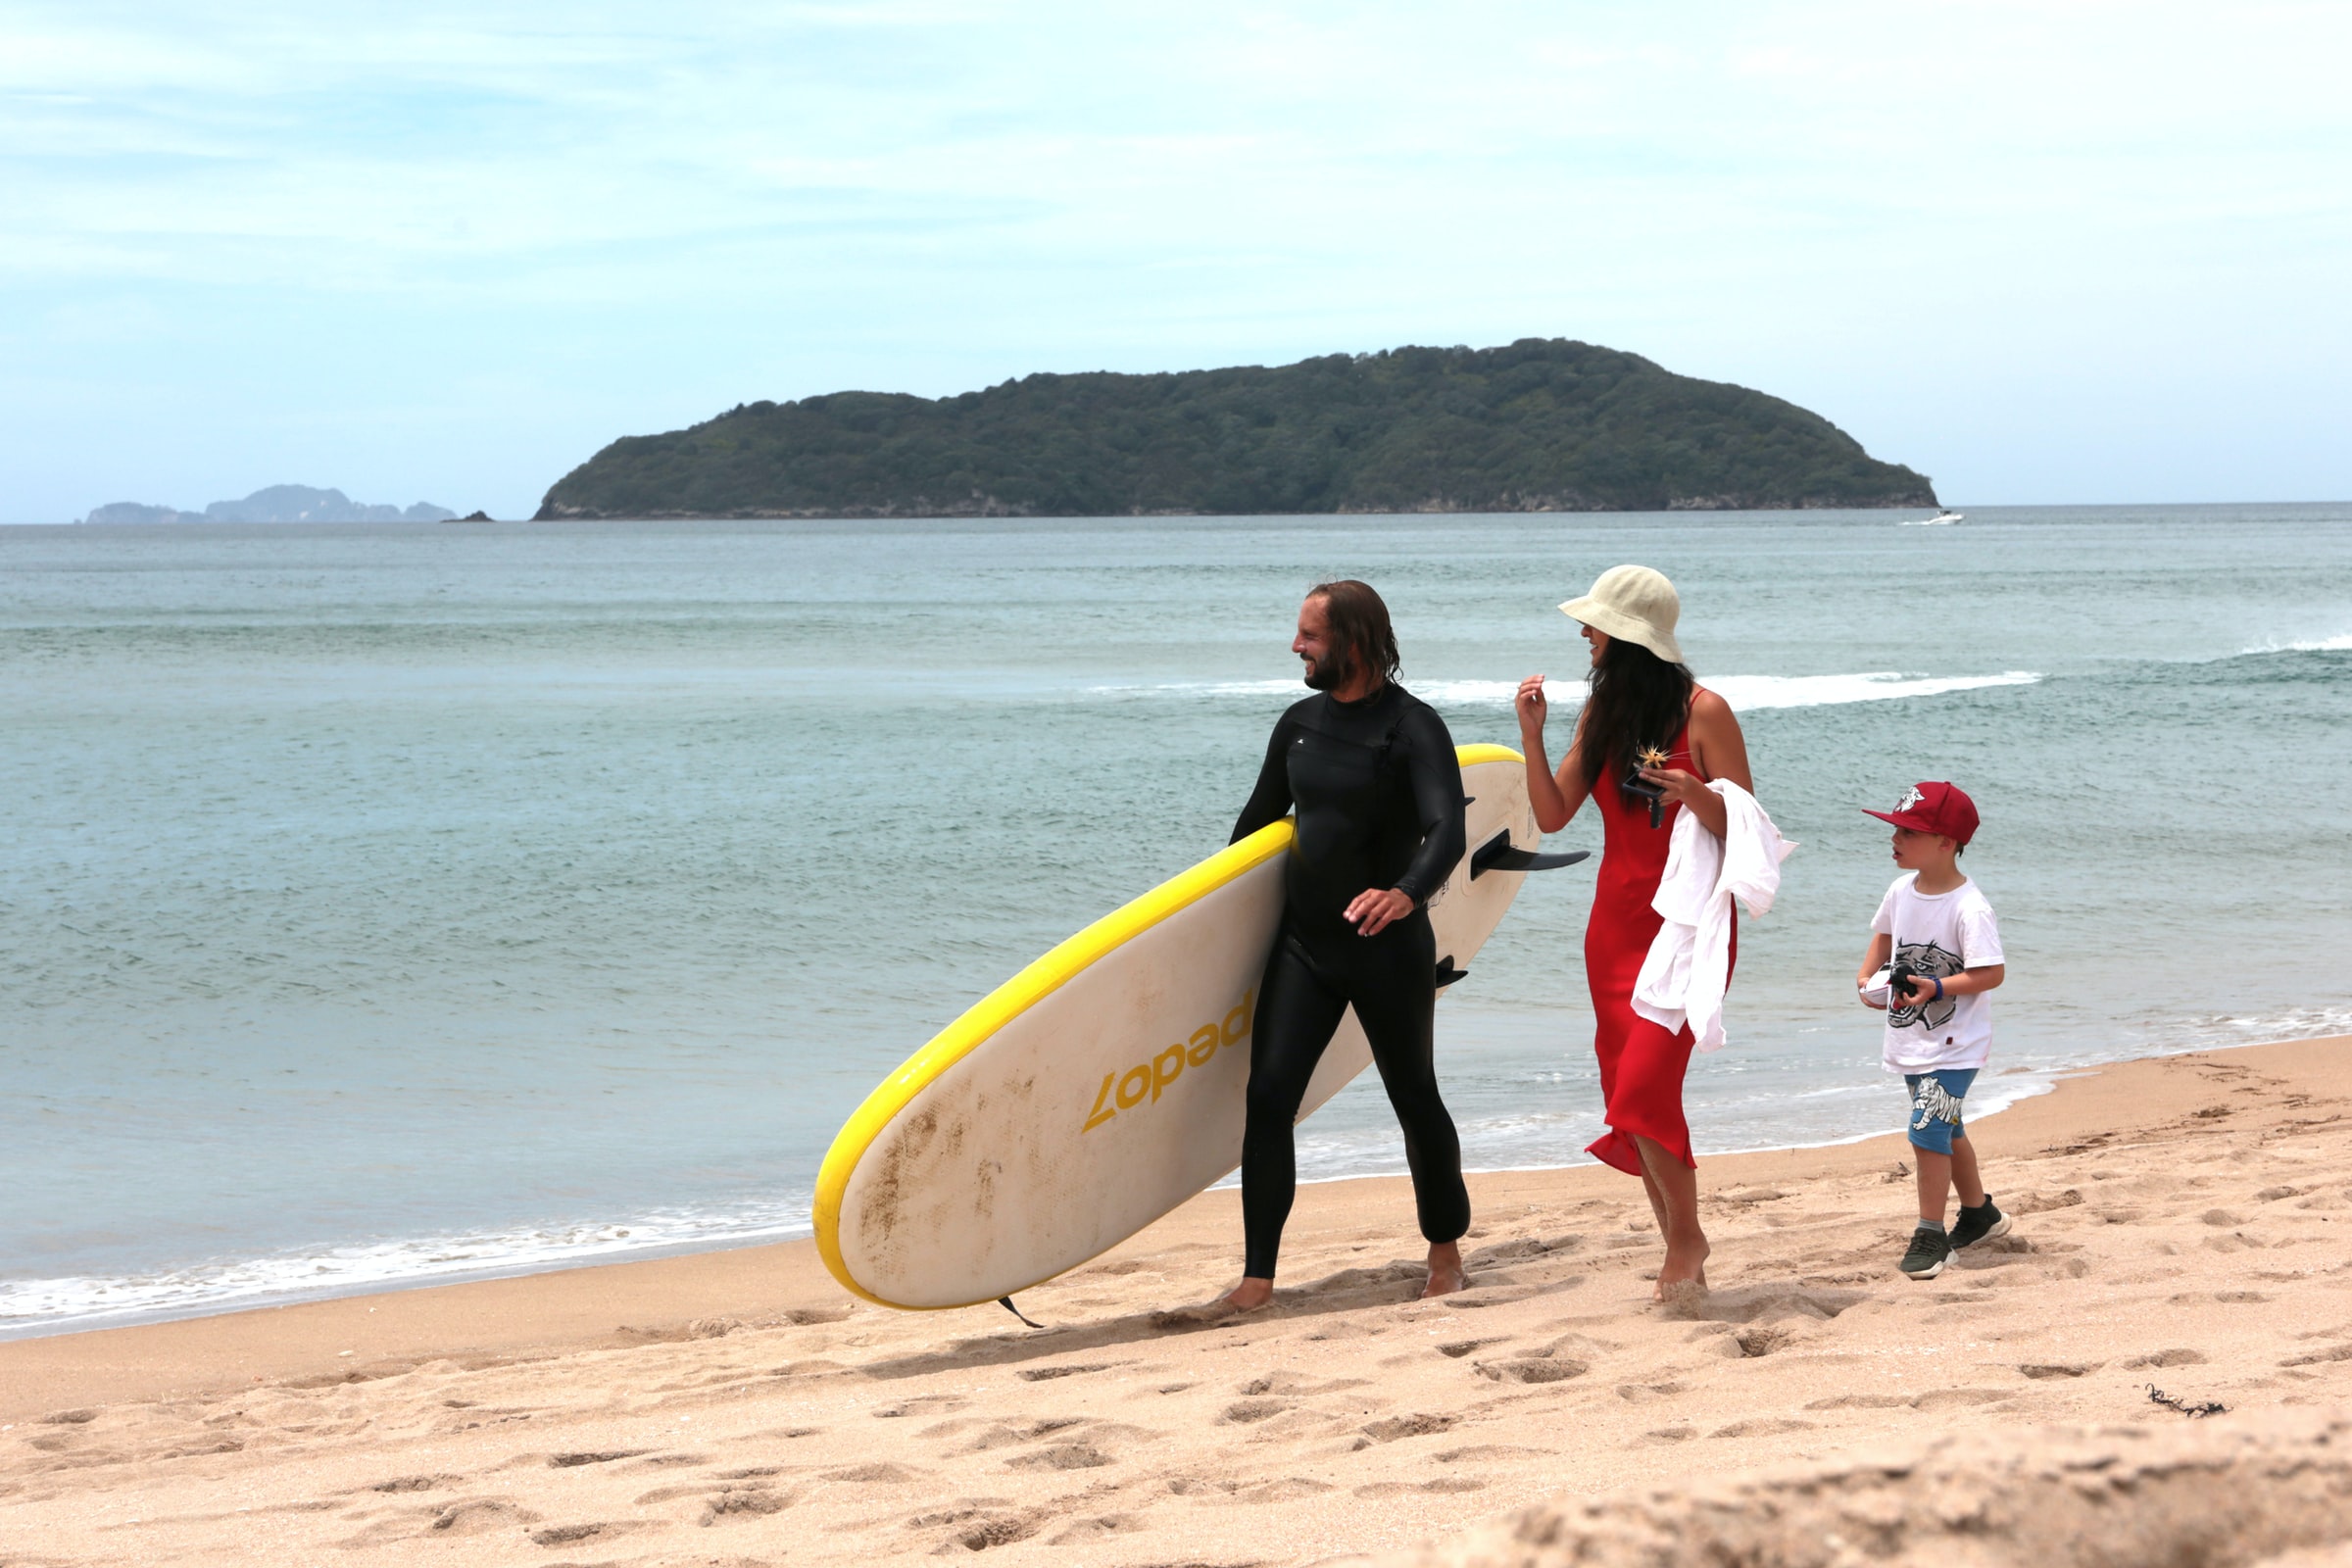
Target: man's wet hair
x=1359, y=623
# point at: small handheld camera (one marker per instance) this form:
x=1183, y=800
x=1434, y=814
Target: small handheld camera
x=1638, y=788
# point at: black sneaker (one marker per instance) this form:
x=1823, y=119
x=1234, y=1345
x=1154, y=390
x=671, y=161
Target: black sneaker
x=1978, y=1224
x=1930, y=1251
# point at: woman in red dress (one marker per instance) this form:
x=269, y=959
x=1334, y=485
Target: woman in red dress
x=1648, y=732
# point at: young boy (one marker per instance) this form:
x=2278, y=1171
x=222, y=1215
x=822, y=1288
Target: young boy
x=1937, y=932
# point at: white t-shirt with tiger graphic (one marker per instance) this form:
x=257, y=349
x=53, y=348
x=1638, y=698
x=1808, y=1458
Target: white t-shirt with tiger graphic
x=1940, y=934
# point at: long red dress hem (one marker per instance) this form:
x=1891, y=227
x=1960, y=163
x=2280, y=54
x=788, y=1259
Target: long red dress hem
x=1641, y=1065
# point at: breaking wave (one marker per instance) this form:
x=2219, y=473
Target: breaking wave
x=1746, y=693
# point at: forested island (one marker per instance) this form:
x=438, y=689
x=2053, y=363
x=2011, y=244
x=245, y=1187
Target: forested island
x=1543, y=426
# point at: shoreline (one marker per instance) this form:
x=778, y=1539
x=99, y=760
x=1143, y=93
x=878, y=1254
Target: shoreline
x=2046, y=1079
x=595, y=1306
x=2181, y=1225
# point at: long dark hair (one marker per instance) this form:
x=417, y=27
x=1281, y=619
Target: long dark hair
x=1359, y=623
x=1638, y=699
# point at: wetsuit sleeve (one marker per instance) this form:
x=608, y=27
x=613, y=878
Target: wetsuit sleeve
x=1434, y=774
x=1270, y=802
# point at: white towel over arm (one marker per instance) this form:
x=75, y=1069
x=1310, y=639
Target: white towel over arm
x=1689, y=967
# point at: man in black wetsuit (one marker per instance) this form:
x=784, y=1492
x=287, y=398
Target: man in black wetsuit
x=1371, y=774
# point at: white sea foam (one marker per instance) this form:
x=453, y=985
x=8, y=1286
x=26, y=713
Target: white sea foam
x=45, y=1305
x=2320, y=645
x=1746, y=693
x=2297, y=1023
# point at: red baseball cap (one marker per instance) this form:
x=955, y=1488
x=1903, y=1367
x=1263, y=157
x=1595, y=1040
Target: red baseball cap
x=1933, y=807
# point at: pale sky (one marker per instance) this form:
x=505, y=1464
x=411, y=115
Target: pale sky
x=2045, y=252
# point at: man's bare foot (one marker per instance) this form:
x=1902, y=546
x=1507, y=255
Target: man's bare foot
x=1250, y=1294
x=1445, y=1274
x=1196, y=1317
x=1684, y=1274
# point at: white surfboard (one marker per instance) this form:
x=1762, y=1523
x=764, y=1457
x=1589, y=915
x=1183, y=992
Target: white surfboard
x=1105, y=1084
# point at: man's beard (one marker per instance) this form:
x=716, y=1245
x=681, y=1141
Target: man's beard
x=1322, y=674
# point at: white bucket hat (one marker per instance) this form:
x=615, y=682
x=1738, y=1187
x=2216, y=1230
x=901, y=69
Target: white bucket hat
x=1636, y=605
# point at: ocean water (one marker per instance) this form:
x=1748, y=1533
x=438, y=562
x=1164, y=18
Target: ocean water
x=387, y=905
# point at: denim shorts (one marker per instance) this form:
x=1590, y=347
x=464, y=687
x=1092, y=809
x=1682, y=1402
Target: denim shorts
x=1935, y=1099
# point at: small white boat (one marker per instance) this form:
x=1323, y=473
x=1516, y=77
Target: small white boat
x=1946, y=516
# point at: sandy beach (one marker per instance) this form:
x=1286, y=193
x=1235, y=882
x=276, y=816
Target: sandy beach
x=2177, y=1229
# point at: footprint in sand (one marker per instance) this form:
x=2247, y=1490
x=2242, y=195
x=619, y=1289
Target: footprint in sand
x=921, y=1405
x=1765, y=1428
x=1061, y=1456
x=575, y=1535
x=1398, y=1427
x=1079, y=1531
x=1247, y=1412
x=743, y=1502
x=804, y=1316
x=1200, y=1314
x=1288, y=1489
x=1003, y=1434
x=1953, y=1399
x=1542, y=1367
x=1461, y=1348
x=1521, y=1250
x=1443, y=1483
x=1749, y=1303
x=470, y=1516
x=674, y=1461
x=1648, y=1392
x=1291, y=1383
x=696, y=1489
x=962, y=1511
x=999, y=1529
x=881, y=1474
x=1046, y=1374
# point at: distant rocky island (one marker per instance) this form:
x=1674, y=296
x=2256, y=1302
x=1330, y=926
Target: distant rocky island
x=1543, y=426
x=279, y=502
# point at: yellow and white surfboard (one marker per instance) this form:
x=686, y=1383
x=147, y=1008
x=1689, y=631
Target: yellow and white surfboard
x=1103, y=1084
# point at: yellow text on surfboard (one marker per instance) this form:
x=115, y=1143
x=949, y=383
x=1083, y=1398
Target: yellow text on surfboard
x=1147, y=1081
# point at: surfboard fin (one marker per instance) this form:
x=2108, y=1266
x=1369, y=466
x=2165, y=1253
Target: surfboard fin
x=1497, y=855
x=1448, y=974
x=1005, y=1302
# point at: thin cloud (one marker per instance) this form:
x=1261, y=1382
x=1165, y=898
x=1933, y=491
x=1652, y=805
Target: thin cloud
x=1816, y=197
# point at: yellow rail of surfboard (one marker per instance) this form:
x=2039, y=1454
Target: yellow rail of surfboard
x=1016, y=995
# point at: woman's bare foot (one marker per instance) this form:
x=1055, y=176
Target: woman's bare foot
x=1445, y=1274
x=1684, y=1274
x=1250, y=1294
x=1674, y=1196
